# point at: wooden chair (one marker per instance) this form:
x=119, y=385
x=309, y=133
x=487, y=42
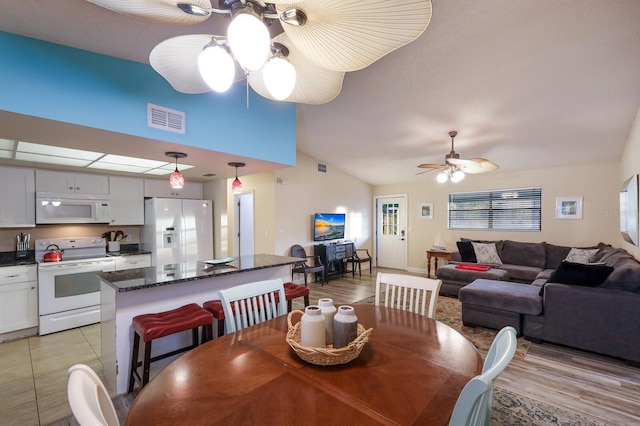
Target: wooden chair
x=89, y=400
x=474, y=404
x=360, y=256
x=249, y=304
x=302, y=267
x=407, y=292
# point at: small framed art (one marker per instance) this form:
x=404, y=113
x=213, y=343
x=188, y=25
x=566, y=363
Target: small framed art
x=569, y=207
x=426, y=211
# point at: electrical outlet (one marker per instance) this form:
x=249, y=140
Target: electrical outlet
x=128, y=238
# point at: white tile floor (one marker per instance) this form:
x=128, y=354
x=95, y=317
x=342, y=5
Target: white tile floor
x=33, y=374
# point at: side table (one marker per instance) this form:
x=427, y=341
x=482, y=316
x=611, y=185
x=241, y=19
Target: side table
x=436, y=254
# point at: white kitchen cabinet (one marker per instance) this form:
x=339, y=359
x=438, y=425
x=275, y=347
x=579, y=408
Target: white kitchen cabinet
x=161, y=188
x=18, y=298
x=71, y=183
x=133, y=261
x=17, y=197
x=126, y=200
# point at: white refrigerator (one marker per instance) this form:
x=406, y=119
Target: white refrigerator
x=177, y=230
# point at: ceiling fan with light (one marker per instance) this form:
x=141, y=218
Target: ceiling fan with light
x=305, y=64
x=455, y=167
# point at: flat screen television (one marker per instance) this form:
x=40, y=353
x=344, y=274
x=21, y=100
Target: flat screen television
x=328, y=226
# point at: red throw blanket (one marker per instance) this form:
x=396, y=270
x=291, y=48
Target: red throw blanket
x=472, y=267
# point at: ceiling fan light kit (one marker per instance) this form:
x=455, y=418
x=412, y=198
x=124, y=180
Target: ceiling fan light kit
x=456, y=168
x=324, y=40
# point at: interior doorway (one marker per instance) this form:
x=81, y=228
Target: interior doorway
x=391, y=231
x=243, y=224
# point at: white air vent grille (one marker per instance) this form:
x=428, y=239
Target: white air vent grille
x=165, y=119
x=322, y=168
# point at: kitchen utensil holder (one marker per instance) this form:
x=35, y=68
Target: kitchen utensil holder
x=22, y=249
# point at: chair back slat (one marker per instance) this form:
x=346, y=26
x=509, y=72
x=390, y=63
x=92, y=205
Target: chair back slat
x=408, y=292
x=250, y=304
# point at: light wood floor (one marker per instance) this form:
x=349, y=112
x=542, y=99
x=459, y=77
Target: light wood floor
x=603, y=388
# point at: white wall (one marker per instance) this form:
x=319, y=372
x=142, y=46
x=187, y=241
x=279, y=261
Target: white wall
x=630, y=166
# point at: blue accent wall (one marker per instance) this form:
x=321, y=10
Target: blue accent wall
x=75, y=86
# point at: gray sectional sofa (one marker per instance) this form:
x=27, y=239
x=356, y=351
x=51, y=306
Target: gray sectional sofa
x=580, y=311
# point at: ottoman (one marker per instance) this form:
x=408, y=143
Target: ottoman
x=454, y=279
x=496, y=304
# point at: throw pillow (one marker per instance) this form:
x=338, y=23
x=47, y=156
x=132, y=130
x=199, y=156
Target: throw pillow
x=486, y=253
x=580, y=274
x=577, y=255
x=466, y=251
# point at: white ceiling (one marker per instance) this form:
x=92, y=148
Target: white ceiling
x=527, y=84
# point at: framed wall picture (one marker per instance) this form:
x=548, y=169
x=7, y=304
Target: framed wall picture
x=569, y=207
x=426, y=211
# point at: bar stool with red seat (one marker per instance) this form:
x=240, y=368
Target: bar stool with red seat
x=156, y=325
x=291, y=291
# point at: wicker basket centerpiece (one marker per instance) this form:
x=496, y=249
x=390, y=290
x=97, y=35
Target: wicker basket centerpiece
x=328, y=355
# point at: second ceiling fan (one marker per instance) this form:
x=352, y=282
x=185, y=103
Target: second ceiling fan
x=454, y=167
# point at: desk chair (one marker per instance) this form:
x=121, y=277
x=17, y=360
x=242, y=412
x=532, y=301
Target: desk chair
x=89, y=400
x=475, y=401
x=408, y=292
x=249, y=304
x=302, y=267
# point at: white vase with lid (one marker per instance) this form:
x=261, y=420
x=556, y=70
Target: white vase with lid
x=312, y=328
x=329, y=311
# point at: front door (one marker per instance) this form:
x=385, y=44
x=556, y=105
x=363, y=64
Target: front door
x=391, y=238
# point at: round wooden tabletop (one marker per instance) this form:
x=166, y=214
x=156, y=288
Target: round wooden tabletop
x=410, y=372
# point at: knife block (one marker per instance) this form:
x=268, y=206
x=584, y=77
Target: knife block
x=22, y=250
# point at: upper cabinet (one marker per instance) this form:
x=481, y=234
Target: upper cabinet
x=126, y=200
x=71, y=183
x=17, y=197
x=161, y=188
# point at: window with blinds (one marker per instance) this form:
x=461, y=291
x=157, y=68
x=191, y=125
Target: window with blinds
x=505, y=210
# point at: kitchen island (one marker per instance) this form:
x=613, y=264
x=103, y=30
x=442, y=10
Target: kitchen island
x=125, y=294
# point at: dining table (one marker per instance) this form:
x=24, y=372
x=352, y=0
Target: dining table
x=411, y=371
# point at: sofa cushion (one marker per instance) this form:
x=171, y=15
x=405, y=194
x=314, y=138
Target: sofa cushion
x=581, y=274
x=486, y=253
x=502, y=295
x=625, y=276
x=525, y=254
x=520, y=273
x=554, y=255
x=579, y=255
x=466, y=251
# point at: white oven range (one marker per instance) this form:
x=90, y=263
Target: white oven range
x=69, y=290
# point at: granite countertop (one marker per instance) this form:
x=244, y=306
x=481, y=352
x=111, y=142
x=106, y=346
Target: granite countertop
x=155, y=276
x=8, y=258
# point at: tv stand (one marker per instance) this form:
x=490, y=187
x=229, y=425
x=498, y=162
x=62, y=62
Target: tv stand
x=333, y=257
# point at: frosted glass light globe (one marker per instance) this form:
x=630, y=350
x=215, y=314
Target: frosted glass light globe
x=457, y=176
x=442, y=177
x=216, y=68
x=249, y=40
x=279, y=77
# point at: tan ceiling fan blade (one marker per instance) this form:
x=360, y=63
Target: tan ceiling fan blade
x=176, y=59
x=349, y=35
x=433, y=166
x=484, y=166
x=157, y=10
x=314, y=85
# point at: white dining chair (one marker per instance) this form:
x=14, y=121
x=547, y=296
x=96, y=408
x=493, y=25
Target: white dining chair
x=249, y=304
x=473, y=407
x=408, y=292
x=89, y=400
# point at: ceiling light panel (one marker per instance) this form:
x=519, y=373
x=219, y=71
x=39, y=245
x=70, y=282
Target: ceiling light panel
x=6, y=154
x=6, y=144
x=70, y=153
x=50, y=159
x=132, y=161
x=117, y=167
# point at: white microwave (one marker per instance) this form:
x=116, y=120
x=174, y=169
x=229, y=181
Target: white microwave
x=72, y=210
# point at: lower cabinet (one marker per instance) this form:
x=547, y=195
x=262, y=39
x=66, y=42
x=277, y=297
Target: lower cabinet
x=133, y=261
x=333, y=257
x=18, y=298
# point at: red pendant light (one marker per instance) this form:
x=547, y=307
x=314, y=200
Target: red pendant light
x=176, y=180
x=236, y=185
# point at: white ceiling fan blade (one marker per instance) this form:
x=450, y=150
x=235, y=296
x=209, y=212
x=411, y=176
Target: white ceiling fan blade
x=314, y=85
x=157, y=10
x=484, y=166
x=349, y=35
x=176, y=59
